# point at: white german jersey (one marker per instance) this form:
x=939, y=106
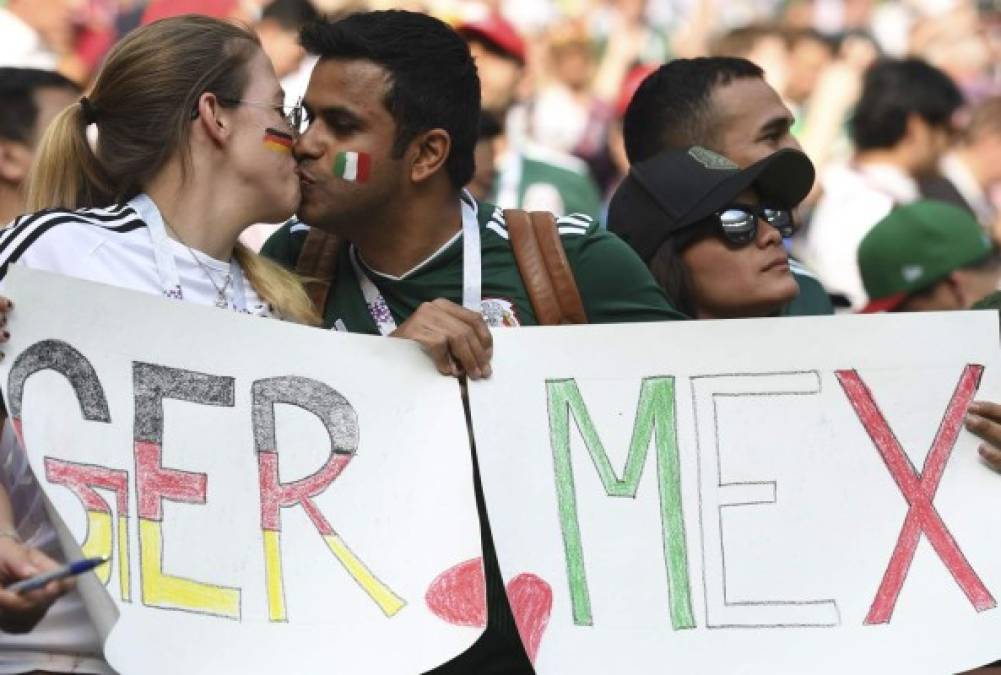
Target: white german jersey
x=112, y=246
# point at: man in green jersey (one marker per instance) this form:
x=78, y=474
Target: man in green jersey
x=393, y=110
x=725, y=105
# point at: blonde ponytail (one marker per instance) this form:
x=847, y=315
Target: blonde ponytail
x=65, y=173
x=278, y=287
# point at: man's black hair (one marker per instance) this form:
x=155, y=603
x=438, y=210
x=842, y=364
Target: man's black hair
x=290, y=14
x=671, y=108
x=894, y=89
x=433, y=80
x=490, y=127
x=18, y=109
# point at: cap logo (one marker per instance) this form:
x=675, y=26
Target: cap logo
x=912, y=273
x=710, y=159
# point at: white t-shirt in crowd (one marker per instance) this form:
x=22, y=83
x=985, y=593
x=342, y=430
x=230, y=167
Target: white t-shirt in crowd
x=21, y=46
x=855, y=198
x=112, y=246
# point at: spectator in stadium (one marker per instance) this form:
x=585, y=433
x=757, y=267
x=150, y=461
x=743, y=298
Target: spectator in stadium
x=278, y=31
x=722, y=104
x=970, y=172
x=529, y=176
x=185, y=109
x=711, y=233
x=900, y=128
x=29, y=100
x=927, y=256
x=393, y=106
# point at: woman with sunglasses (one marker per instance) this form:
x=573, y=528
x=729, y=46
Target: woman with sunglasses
x=192, y=146
x=712, y=234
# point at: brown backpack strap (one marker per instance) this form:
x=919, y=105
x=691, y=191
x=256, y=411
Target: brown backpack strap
x=544, y=268
x=560, y=273
x=317, y=264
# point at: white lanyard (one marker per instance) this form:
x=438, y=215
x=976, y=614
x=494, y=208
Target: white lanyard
x=166, y=267
x=471, y=273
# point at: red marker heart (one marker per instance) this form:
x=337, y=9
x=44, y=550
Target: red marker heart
x=531, y=601
x=458, y=596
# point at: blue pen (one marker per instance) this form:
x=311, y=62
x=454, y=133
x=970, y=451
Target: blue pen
x=68, y=570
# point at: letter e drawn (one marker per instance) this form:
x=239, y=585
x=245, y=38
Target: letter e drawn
x=155, y=483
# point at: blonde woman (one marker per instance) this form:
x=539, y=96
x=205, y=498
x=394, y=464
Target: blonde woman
x=193, y=145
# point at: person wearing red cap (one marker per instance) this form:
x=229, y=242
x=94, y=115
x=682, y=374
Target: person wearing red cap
x=500, y=56
x=528, y=176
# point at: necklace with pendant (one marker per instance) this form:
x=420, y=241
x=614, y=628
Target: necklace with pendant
x=221, y=300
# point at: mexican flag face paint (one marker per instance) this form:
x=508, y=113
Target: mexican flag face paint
x=279, y=141
x=352, y=166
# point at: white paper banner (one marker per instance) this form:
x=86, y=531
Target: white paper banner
x=777, y=496
x=275, y=499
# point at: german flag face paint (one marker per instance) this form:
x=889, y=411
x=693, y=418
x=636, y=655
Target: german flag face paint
x=353, y=166
x=279, y=141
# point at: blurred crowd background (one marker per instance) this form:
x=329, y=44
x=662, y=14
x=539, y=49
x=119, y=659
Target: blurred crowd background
x=558, y=75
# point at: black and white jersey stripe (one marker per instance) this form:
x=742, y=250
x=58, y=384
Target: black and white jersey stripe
x=17, y=237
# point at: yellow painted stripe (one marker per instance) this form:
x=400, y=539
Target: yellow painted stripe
x=163, y=590
x=273, y=576
x=98, y=543
x=124, y=565
x=278, y=147
x=388, y=602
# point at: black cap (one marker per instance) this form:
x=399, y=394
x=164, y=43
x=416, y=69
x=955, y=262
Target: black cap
x=679, y=188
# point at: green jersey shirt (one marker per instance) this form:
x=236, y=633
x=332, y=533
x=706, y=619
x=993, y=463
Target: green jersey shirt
x=538, y=179
x=812, y=299
x=614, y=284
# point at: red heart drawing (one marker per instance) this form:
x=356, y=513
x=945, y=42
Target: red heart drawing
x=458, y=596
x=531, y=602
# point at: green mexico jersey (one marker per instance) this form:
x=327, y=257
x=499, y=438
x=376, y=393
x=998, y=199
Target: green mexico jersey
x=812, y=299
x=615, y=285
x=544, y=180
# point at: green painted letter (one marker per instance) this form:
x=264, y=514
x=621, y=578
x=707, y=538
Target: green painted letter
x=654, y=417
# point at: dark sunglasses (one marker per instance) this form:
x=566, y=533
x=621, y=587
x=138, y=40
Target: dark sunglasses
x=739, y=222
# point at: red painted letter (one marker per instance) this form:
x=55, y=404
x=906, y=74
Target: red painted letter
x=918, y=490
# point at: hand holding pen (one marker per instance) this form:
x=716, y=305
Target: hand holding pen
x=20, y=612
